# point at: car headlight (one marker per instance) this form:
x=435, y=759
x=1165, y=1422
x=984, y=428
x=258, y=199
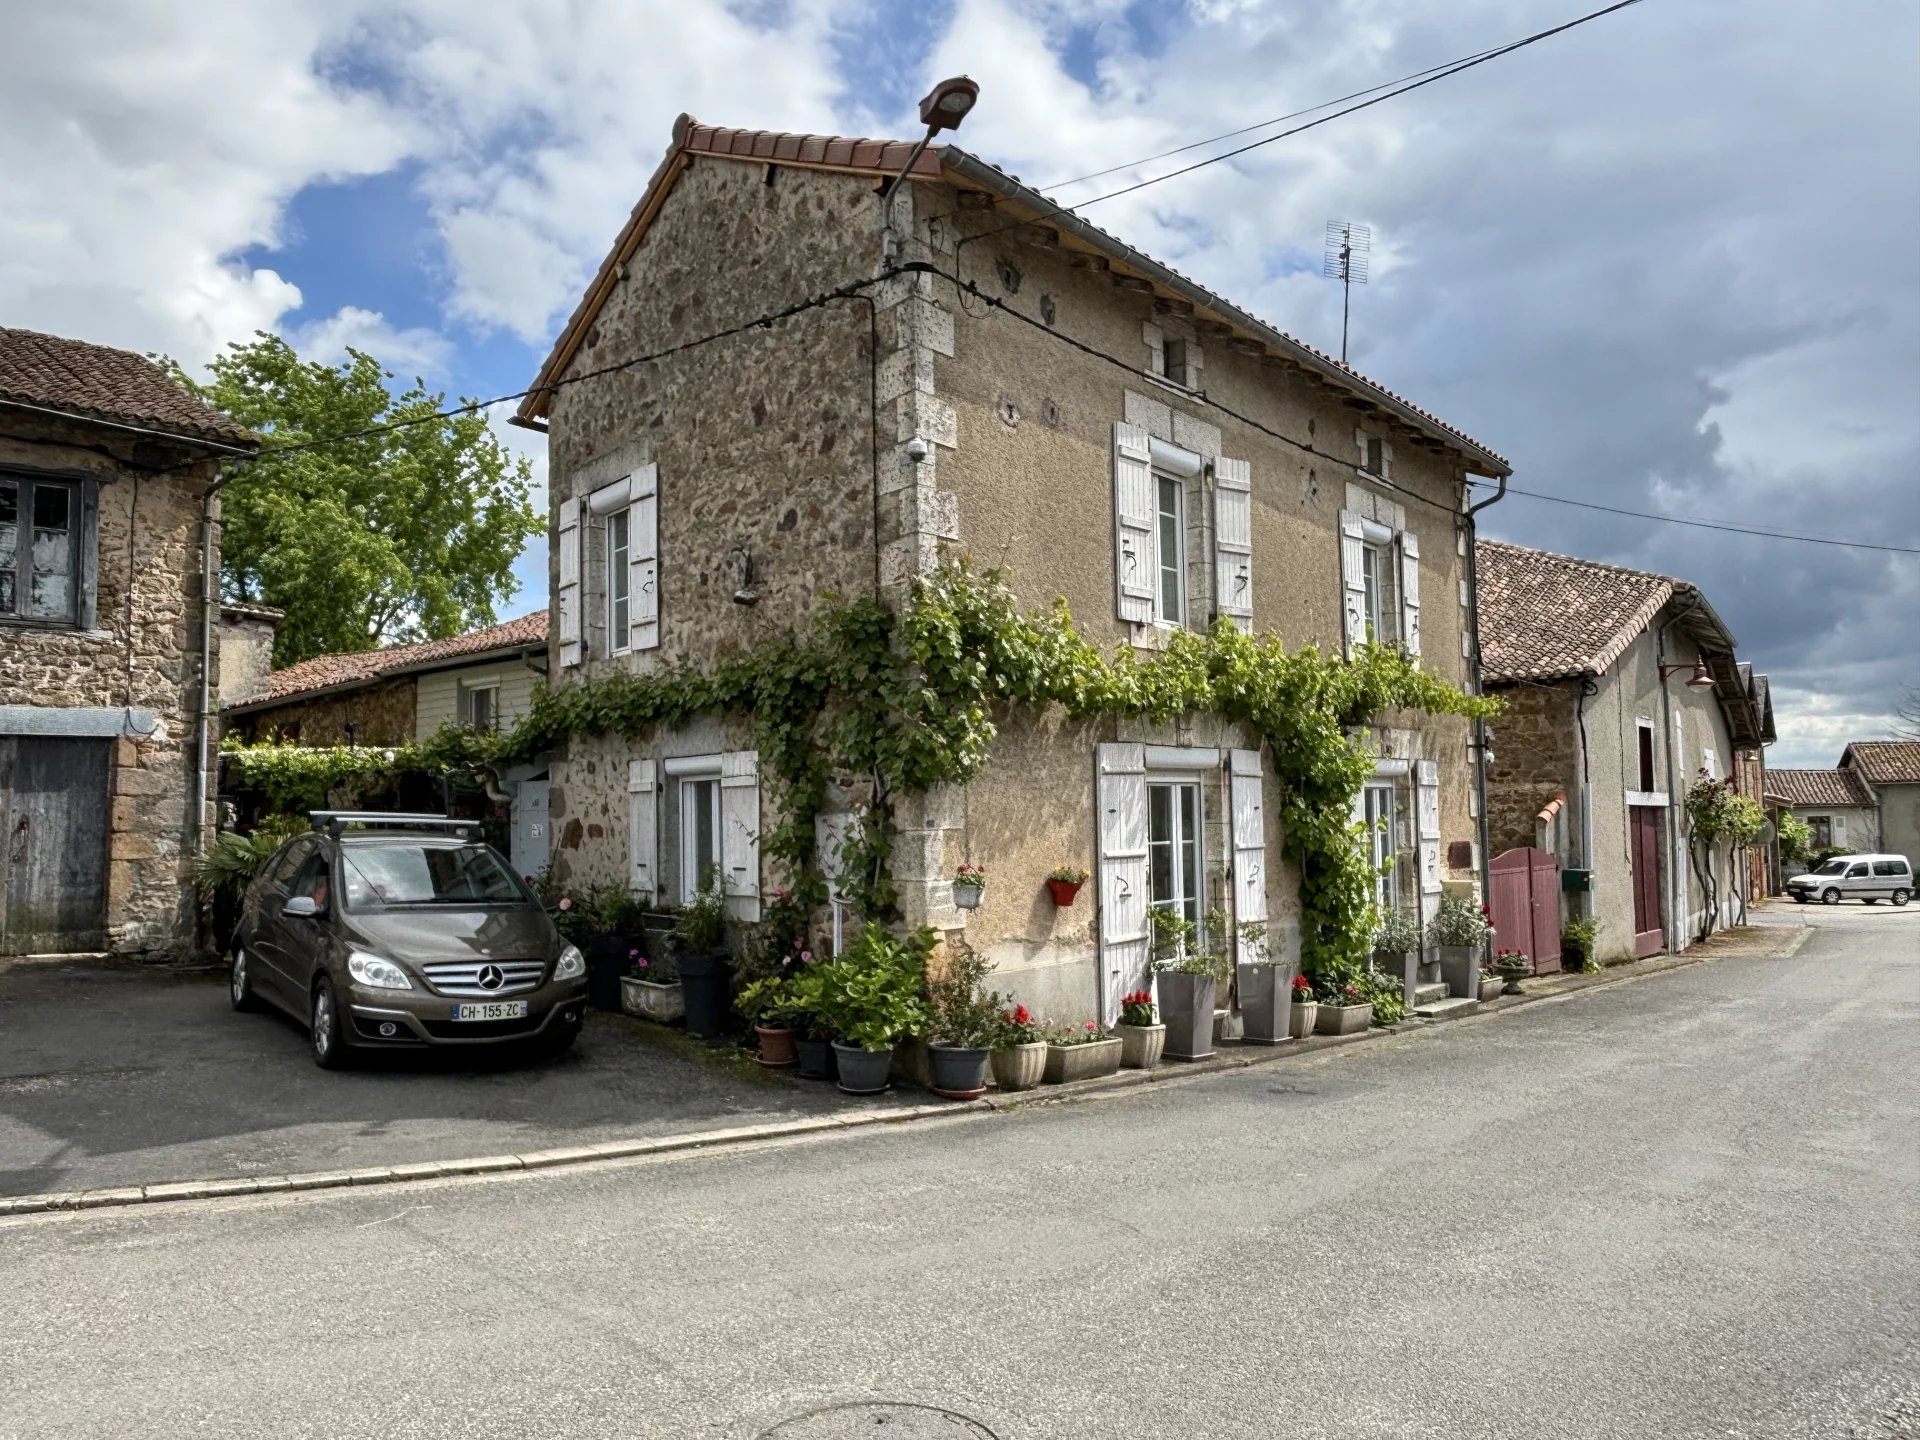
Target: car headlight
x=376, y=971
x=571, y=965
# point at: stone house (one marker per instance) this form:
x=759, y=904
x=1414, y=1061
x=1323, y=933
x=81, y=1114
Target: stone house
x=401, y=694
x=1098, y=426
x=1871, y=802
x=108, y=519
x=1621, y=690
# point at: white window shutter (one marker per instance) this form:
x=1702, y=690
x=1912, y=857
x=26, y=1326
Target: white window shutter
x=1122, y=798
x=1839, y=829
x=1133, y=517
x=643, y=565
x=1248, y=804
x=643, y=829
x=1427, y=809
x=1353, y=580
x=740, y=832
x=1233, y=540
x=1410, y=592
x=567, y=537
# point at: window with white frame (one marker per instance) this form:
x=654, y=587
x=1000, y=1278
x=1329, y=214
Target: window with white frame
x=1379, y=567
x=699, y=832
x=619, y=574
x=480, y=706
x=1382, y=818
x=1176, y=848
x=1170, y=531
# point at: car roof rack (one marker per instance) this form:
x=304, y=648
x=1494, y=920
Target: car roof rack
x=333, y=822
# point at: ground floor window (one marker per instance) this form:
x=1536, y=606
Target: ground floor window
x=1176, y=849
x=699, y=832
x=1382, y=817
x=1822, y=827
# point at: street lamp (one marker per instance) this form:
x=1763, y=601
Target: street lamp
x=1700, y=679
x=944, y=107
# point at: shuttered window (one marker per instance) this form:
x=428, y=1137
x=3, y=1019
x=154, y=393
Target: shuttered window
x=1170, y=559
x=618, y=581
x=1134, y=507
x=567, y=539
x=1233, y=540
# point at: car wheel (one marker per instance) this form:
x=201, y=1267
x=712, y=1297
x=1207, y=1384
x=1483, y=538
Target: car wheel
x=240, y=980
x=1829, y=897
x=329, y=1045
x=1899, y=897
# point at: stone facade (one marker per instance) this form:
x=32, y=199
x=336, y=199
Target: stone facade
x=1536, y=759
x=137, y=664
x=381, y=713
x=246, y=635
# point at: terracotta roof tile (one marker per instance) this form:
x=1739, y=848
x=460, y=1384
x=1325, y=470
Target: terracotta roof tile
x=1885, y=762
x=1816, y=787
x=1545, y=616
x=324, y=672
x=103, y=383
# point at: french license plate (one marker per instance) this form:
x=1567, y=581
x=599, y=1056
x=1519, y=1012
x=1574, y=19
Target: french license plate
x=492, y=1010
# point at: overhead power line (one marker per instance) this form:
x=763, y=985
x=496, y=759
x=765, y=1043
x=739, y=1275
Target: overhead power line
x=1698, y=524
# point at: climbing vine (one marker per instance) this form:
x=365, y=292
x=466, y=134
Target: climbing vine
x=908, y=700
x=295, y=778
x=1717, y=814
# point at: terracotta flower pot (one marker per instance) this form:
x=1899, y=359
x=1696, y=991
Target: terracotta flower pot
x=1064, y=891
x=1140, y=1045
x=777, y=1048
x=1019, y=1067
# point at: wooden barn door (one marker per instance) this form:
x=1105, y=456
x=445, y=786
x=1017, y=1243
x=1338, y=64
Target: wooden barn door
x=1525, y=901
x=53, y=821
x=1643, y=827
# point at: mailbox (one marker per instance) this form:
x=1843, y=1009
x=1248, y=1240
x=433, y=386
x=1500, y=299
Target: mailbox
x=1576, y=881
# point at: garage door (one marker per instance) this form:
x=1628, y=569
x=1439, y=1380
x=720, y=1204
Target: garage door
x=53, y=817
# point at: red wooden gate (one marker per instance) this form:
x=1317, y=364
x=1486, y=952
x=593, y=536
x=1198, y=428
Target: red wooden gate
x=1526, y=906
x=1644, y=830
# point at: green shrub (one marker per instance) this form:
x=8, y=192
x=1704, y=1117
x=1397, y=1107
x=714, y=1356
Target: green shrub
x=1577, y=939
x=874, y=991
x=1398, y=933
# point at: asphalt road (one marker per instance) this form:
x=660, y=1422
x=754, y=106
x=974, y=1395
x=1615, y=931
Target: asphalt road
x=1680, y=1207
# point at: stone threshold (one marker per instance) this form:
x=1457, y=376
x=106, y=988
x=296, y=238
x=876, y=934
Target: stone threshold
x=1231, y=1055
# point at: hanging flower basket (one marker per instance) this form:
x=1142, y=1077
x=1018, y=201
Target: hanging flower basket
x=1065, y=884
x=969, y=886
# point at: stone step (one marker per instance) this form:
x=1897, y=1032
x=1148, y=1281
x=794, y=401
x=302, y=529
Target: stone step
x=1428, y=994
x=1444, y=1009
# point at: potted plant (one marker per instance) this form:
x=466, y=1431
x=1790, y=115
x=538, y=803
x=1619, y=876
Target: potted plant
x=1019, y=1050
x=699, y=938
x=969, y=885
x=1386, y=997
x=871, y=994
x=1064, y=882
x=965, y=1022
x=1306, y=1007
x=1081, y=1053
x=1265, y=996
x=812, y=1041
x=1459, y=931
x=1187, y=978
x=1512, y=967
x=1490, y=981
x=1397, y=949
x=1577, y=941
x=1142, y=1036
x=773, y=1010
x=1346, y=1007
x=652, y=990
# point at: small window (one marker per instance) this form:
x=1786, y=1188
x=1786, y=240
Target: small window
x=699, y=833
x=1822, y=828
x=1174, y=840
x=1173, y=361
x=1376, y=461
x=39, y=571
x=618, y=577
x=480, y=707
x=1170, y=598
x=1710, y=762
x=1646, y=757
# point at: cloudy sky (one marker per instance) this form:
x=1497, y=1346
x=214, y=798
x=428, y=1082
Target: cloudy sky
x=1666, y=262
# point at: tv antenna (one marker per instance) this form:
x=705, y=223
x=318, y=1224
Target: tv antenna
x=1348, y=246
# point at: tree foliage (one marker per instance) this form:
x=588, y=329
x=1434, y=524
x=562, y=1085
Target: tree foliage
x=407, y=534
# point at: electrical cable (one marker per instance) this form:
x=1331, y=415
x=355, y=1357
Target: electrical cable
x=1709, y=524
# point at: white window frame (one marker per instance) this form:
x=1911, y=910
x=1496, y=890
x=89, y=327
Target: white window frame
x=1189, y=906
x=1383, y=841
x=1163, y=484
x=1378, y=553
x=467, y=692
x=688, y=809
x=619, y=582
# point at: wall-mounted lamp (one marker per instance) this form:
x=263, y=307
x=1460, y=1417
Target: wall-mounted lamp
x=1700, y=679
x=744, y=593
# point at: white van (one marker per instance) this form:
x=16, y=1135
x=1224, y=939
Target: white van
x=1867, y=878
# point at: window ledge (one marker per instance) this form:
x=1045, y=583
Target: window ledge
x=1186, y=391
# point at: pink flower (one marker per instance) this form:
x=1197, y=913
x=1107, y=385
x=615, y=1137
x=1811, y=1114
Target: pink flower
x=806, y=957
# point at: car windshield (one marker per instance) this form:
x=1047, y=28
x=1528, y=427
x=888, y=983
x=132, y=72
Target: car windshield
x=1832, y=867
x=375, y=876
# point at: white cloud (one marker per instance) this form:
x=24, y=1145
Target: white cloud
x=408, y=352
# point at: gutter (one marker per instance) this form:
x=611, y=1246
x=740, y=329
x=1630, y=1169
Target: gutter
x=1475, y=671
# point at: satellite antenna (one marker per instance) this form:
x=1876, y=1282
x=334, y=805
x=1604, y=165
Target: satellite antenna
x=1348, y=246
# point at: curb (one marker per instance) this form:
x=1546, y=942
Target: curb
x=1240, y=1057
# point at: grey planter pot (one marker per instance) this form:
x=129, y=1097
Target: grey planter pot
x=1019, y=1067
x=1305, y=1019
x=650, y=1001
x=1343, y=1019
x=1140, y=1045
x=1082, y=1062
x=1186, y=1008
x=958, y=1072
x=968, y=897
x=863, y=1072
x=1460, y=968
x=1266, y=1003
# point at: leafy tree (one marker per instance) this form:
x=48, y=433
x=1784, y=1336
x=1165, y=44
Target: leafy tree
x=407, y=534
x=1906, y=715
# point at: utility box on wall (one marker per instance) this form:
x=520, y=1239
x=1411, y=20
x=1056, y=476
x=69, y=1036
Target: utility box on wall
x=1575, y=882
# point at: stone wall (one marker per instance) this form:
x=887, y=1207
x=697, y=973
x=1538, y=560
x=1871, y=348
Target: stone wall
x=140, y=657
x=246, y=634
x=382, y=713
x=1536, y=756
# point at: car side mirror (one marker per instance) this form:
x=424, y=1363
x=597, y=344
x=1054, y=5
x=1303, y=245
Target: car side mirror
x=301, y=906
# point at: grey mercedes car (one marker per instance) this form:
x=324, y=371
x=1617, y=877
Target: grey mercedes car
x=390, y=931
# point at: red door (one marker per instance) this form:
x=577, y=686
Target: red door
x=1525, y=900
x=1643, y=826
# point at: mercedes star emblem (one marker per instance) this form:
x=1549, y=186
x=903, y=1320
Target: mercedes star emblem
x=491, y=977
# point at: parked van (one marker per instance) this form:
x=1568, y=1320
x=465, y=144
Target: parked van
x=1867, y=878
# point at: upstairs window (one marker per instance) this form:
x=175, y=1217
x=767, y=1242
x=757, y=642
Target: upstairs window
x=481, y=707
x=1376, y=458
x=39, y=550
x=1646, y=756
x=619, y=581
x=1170, y=599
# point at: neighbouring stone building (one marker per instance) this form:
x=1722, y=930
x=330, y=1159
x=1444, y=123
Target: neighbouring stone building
x=106, y=465
x=1621, y=689
x=1197, y=463
x=1870, y=802
x=247, y=634
x=401, y=694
